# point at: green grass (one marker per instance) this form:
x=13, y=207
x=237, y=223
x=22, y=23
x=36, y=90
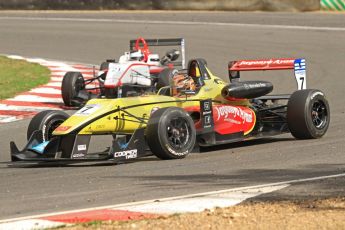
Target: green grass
x=18, y=76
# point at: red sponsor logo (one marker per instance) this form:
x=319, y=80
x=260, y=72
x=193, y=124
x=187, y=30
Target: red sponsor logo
x=235, y=112
x=232, y=119
x=62, y=128
x=265, y=64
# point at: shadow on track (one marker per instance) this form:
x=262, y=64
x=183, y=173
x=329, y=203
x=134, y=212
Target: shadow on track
x=203, y=150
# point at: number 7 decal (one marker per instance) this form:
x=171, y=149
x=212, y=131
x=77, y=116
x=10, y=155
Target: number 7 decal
x=300, y=73
x=87, y=110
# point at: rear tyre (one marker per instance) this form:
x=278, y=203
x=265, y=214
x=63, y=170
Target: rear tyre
x=104, y=66
x=47, y=121
x=308, y=114
x=170, y=133
x=165, y=77
x=72, y=84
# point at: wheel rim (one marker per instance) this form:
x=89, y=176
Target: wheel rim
x=319, y=114
x=52, y=126
x=178, y=133
x=79, y=84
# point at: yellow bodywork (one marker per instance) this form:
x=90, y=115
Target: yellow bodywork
x=105, y=116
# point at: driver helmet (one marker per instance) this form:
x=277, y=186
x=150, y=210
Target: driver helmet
x=182, y=82
x=136, y=55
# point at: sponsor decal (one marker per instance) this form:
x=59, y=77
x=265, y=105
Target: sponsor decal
x=81, y=147
x=78, y=155
x=207, y=106
x=174, y=152
x=265, y=62
x=154, y=109
x=128, y=154
x=100, y=126
x=225, y=111
x=254, y=85
x=62, y=128
x=44, y=131
x=206, y=89
x=315, y=94
x=207, y=114
x=232, y=121
x=219, y=81
x=207, y=120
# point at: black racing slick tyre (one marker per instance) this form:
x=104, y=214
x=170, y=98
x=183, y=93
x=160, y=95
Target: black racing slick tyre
x=47, y=121
x=308, y=114
x=170, y=133
x=104, y=66
x=165, y=77
x=72, y=84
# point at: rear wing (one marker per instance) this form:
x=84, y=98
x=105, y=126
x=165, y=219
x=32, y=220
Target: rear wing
x=298, y=65
x=166, y=42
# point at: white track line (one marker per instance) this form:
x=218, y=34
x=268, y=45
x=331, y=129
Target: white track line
x=55, y=84
x=200, y=203
x=46, y=90
x=6, y=119
x=25, y=108
x=132, y=204
x=316, y=28
x=33, y=98
x=197, y=204
x=34, y=224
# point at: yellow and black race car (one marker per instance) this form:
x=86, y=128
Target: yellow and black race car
x=196, y=109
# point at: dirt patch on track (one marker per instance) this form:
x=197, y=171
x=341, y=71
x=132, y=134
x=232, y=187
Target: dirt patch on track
x=309, y=214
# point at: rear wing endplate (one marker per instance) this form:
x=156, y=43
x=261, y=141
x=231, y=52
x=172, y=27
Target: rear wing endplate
x=298, y=65
x=166, y=42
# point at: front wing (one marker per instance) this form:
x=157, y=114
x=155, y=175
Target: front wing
x=74, y=148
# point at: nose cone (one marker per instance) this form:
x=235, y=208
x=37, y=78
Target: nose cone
x=91, y=111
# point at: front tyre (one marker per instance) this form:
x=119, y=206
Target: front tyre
x=308, y=114
x=170, y=133
x=104, y=66
x=46, y=121
x=72, y=84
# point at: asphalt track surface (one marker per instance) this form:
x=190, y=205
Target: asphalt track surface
x=217, y=37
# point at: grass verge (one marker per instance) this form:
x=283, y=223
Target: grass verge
x=18, y=76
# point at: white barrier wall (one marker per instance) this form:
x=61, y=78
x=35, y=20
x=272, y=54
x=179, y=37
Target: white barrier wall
x=235, y=5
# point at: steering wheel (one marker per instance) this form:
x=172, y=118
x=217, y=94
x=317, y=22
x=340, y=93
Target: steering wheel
x=144, y=49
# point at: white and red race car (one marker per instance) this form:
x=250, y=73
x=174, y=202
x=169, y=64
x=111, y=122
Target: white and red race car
x=136, y=72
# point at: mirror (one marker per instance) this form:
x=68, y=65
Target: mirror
x=171, y=55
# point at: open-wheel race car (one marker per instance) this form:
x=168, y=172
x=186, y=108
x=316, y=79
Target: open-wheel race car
x=180, y=118
x=137, y=71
